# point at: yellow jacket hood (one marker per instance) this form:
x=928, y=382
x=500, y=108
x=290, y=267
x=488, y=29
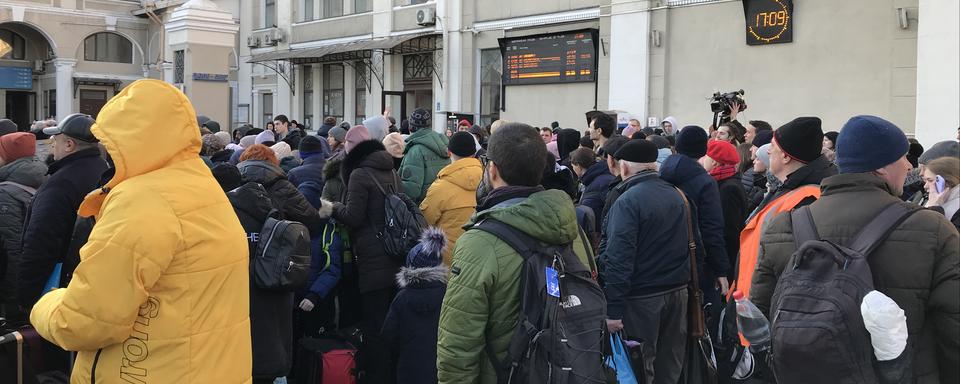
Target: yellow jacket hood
x=141, y=137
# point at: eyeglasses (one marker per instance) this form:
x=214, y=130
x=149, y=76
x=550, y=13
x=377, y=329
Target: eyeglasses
x=484, y=160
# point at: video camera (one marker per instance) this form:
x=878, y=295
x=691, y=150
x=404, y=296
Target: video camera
x=722, y=102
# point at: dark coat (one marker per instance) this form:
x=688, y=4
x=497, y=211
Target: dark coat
x=49, y=225
x=334, y=189
x=733, y=200
x=412, y=323
x=324, y=273
x=916, y=266
x=222, y=156
x=596, y=181
x=324, y=130
x=614, y=191
x=271, y=313
x=755, y=187
x=293, y=138
x=646, y=249
x=362, y=212
x=701, y=189
x=310, y=170
x=27, y=173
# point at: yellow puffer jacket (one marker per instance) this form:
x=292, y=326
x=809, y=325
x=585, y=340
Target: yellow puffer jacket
x=161, y=291
x=452, y=199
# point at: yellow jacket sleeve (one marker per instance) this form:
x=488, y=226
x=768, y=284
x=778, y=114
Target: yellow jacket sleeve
x=129, y=248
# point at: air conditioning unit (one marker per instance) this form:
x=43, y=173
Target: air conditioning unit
x=38, y=66
x=253, y=41
x=275, y=36
x=426, y=17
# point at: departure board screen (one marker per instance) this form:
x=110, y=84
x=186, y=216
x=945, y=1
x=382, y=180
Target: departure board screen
x=568, y=57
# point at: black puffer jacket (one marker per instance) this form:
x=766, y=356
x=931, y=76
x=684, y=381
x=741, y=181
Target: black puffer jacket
x=733, y=201
x=271, y=313
x=16, y=180
x=49, y=225
x=362, y=212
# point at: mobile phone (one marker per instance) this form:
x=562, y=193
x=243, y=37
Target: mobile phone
x=940, y=184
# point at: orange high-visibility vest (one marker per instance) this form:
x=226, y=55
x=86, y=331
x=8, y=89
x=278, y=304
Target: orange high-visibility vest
x=750, y=236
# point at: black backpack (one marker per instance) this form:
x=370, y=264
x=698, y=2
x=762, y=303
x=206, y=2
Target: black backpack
x=557, y=339
x=281, y=259
x=403, y=221
x=817, y=330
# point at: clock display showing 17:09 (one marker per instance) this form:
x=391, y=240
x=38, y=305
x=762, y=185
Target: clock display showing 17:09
x=768, y=21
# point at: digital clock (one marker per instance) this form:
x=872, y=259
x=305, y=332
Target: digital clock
x=768, y=21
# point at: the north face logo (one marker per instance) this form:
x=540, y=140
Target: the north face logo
x=570, y=302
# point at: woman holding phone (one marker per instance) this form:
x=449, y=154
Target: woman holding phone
x=941, y=177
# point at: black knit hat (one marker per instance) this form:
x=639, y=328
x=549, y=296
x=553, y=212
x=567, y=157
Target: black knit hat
x=660, y=141
x=613, y=144
x=638, y=151
x=762, y=138
x=310, y=144
x=801, y=139
x=228, y=176
x=462, y=144
x=692, y=142
x=420, y=118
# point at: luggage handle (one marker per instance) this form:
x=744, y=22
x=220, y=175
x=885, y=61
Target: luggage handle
x=19, y=338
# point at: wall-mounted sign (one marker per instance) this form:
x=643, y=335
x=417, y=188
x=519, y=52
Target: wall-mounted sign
x=210, y=77
x=568, y=57
x=16, y=78
x=768, y=21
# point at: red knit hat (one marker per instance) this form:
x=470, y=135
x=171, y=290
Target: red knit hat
x=722, y=152
x=18, y=145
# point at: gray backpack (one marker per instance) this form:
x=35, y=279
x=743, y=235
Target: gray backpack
x=817, y=331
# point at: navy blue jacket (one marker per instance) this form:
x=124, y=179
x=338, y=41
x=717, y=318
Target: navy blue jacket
x=688, y=175
x=310, y=170
x=324, y=274
x=48, y=227
x=646, y=249
x=596, y=181
x=412, y=323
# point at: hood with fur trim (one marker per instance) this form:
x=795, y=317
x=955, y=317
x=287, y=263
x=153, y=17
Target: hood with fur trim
x=419, y=277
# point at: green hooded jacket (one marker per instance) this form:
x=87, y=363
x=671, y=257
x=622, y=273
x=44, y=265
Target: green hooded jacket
x=483, y=294
x=424, y=155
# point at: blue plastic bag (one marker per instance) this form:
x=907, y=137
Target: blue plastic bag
x=619, y=360
x=53, y=282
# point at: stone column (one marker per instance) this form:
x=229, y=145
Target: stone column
x=167, y=71
x=207, y=35
x=64, y=86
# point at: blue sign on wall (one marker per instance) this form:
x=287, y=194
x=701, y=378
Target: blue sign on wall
x=16, y=78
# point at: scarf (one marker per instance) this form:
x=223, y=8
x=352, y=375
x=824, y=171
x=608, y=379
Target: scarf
x=502, y=194
x=723, y=172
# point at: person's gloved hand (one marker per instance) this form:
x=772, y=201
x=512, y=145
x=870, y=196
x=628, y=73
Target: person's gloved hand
x=887, y=324
x=326, y=209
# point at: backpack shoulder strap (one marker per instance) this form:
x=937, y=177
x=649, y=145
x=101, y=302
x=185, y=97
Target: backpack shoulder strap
x=519, y=241
x=804, y=229
x=375, y=181
x=32, y=191
x=870, y=237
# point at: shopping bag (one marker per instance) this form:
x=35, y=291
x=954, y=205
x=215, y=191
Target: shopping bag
x=619, y=360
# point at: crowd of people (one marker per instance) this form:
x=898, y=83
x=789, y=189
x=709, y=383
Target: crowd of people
x=149, y=237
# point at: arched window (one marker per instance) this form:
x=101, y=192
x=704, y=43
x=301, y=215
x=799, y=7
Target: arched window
x=108, y=47
x=12, y=45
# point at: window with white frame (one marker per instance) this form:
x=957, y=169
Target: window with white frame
x=332, y=8
x=108, y=47
x=308, y=96
x=269, y=13
x=361, y=79
x=306, y=10
x=361, y=6
x=491, y=73
x=333, y=90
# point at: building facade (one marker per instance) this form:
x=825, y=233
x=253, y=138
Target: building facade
x=653, y=58
x=64, y=56
x=352, y=59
